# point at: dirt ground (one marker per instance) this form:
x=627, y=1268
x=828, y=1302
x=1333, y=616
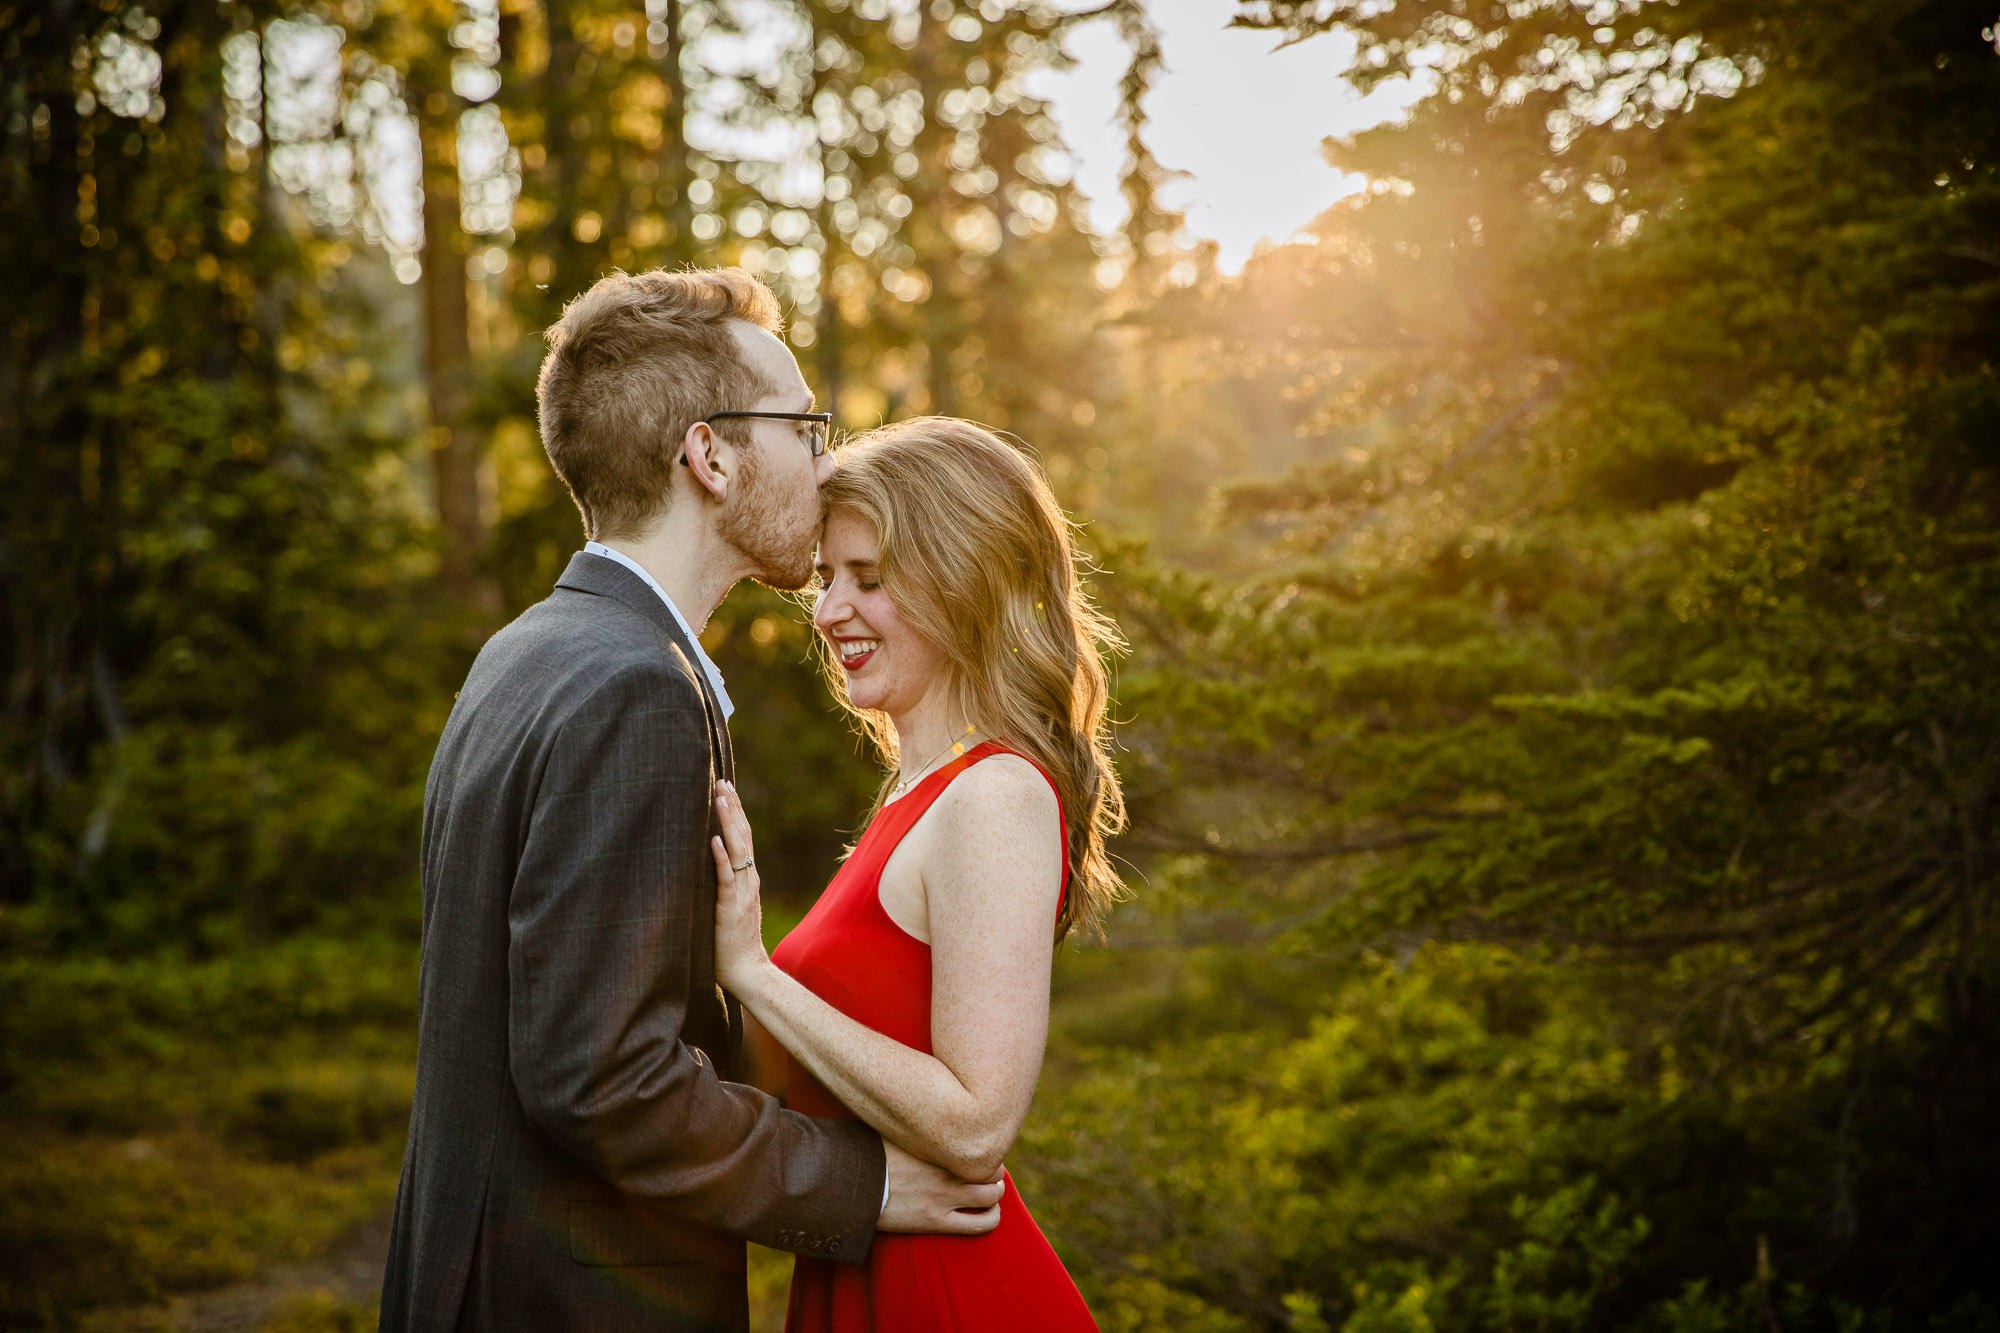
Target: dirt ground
x=348, y=1273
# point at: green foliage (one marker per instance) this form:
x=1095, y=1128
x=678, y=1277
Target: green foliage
x=1470, y=1138
x=1562, y=756
x=218, y=597
x=172, y=1126
x=1742, y=714
x=87, y=1221
x=322, y=1313
x=144, y=1018
x=1626, y=634
x=1389, y=1166
x=236, y=844
x=297, y=1116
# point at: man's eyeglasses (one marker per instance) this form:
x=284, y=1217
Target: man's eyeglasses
x=820, y=425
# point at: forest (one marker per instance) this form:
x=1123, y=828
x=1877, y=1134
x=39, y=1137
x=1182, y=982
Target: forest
x=1562, y=587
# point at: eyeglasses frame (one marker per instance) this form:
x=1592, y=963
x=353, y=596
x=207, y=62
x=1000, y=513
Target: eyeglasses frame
x=822, y=438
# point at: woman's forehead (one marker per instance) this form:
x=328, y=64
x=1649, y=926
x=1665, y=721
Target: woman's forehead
x=847, y=538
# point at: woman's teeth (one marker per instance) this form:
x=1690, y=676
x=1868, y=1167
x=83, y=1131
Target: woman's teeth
x=853, y=650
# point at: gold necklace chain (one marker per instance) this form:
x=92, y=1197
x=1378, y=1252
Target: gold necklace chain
x=956, y=747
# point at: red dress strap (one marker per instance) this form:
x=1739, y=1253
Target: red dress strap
x=921, y=797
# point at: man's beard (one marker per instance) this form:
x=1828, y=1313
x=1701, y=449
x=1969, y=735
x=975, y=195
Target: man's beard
x=778, y=545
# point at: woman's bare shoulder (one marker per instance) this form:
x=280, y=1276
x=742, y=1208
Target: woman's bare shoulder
x=1001, y=788
x=996, y=822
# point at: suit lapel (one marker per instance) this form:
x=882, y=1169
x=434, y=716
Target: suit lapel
x=718, y=729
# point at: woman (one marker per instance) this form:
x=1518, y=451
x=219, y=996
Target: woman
x=915, y=994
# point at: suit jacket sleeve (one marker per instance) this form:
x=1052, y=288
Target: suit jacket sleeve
x=599, y=956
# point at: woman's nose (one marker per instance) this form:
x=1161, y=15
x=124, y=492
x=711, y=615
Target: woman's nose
x=830, y=609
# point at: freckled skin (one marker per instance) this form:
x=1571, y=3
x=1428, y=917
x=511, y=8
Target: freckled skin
x=902, y=676
x=978, y=878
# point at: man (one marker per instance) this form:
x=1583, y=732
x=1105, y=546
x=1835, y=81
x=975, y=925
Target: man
x=578, y=1158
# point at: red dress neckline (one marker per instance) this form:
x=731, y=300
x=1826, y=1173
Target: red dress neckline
x=929, y=794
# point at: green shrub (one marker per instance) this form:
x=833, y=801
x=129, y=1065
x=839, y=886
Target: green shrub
x=106, y=1015
x=320, y=1312
x=167, y=1125
x=296, y=1115
x=198, y=839
x=99, y=1221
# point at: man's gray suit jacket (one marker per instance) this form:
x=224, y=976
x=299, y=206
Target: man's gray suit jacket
x=577, y=1157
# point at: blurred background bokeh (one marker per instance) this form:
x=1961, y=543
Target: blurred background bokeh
x=1561, y=717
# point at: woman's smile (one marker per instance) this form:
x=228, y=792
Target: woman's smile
x=855, y=653
x=885, y=664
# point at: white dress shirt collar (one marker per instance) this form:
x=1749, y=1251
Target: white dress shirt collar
x=708, y=667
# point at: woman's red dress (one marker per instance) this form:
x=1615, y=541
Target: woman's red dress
x=851, y=954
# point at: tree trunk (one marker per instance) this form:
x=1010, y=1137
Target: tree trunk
x=927, y=190
x=831, y=329
x=64, y=650
x=563, y=99
x=828, y=351
x=456, y=455
x=674, y=154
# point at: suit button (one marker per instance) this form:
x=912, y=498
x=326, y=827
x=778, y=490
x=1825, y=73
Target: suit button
x=833, y=1246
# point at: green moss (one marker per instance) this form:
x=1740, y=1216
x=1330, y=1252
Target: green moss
x=90, y=1220
x=319, y=1312
x=169, y=1128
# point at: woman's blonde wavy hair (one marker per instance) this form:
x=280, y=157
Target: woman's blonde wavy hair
x=977, y=556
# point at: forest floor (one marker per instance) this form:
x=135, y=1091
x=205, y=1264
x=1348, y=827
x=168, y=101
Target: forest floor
x=209, y=1147
x=336, y=1290
x=215, y=1146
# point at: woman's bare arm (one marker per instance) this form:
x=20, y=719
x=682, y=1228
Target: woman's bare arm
x=991, y=868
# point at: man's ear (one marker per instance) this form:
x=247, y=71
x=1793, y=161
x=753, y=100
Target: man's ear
x=708, y=459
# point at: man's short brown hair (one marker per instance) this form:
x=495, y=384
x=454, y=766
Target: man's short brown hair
x=632, y=364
